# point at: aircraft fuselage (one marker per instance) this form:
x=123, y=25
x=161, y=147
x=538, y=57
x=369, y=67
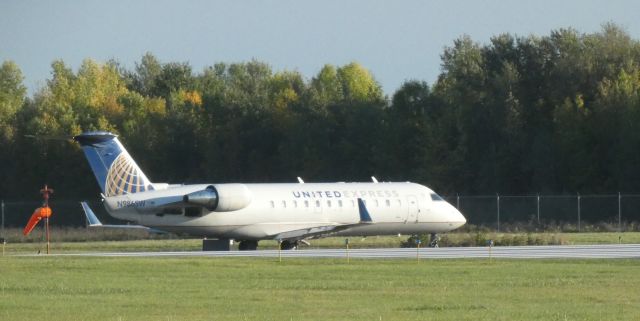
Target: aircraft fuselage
x=395, y=208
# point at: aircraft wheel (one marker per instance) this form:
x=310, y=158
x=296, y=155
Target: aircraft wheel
x=248, y=245
x=289, y=245
x=435, y=239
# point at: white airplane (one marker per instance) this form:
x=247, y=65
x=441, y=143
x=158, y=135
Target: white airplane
x=286, y=212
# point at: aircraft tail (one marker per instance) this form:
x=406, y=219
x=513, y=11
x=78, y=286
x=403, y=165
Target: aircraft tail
x=117, y=173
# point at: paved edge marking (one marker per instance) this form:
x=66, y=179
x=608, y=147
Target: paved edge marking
x=608, y=251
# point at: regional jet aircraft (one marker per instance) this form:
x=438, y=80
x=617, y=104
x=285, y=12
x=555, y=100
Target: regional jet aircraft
x=288, y=213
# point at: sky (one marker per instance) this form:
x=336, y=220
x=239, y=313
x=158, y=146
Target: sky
x=396, y=40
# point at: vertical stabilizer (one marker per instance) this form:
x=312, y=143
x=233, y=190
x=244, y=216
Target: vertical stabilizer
x=117, y=173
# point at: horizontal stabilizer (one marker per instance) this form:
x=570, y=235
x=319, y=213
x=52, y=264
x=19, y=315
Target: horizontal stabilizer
x=91, y=216
x=94, y=222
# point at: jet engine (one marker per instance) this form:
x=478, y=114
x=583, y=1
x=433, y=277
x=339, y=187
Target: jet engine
x=220, y=198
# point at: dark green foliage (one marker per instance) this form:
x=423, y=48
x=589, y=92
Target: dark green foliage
x=552, y=114
x=481, y=238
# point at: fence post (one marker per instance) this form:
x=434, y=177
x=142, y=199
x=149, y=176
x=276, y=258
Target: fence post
x=3, y=218
x=578, y=212
x=498, y=209
x=538, y=207
x=619, y=212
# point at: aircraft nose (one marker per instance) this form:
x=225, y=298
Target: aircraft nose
x=458, y=218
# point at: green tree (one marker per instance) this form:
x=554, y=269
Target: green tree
x=358, y=84
x=147, y=74
x=12, y=97
x=12, y=100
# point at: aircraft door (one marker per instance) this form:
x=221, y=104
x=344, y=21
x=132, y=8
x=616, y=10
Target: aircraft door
x=412, y=214
x=425, y=211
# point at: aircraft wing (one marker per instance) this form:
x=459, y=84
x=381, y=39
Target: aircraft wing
x=325, y=230
x=95, y=222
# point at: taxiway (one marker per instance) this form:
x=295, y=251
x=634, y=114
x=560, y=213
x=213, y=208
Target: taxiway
x=507, y=252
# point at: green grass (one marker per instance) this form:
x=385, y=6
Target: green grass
x=603, y=238
x=66, y=288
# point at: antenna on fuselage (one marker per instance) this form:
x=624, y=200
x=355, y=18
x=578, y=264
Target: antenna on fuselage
x=300, y=180
x=374, y=179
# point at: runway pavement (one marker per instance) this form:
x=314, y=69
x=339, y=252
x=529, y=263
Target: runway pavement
x=507, y=252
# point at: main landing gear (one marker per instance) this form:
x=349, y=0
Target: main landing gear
x=252, y=245
x=248, y=245
x=289, y=245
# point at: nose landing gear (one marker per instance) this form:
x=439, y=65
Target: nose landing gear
x=433, y=241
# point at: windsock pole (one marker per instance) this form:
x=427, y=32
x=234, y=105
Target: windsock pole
x=46, y=191
x=46, y=227
x=39, y=214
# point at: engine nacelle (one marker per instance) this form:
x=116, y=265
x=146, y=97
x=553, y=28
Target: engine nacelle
x=207, y=198
x=221, y=197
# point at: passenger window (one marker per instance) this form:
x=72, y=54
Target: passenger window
x=317, y=203
x=388, y=203
x=399, y=203
x=377, y=203
x=340, y=203
x=295, y=204
x=353, y=203
x=273, y=204
x=306, y=203
x=284, y=204
x=328, y=203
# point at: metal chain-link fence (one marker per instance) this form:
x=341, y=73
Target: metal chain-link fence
x=609, y=211
x=65, y=213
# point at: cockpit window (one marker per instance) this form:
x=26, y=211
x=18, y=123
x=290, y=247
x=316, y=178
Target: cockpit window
x=436, y=197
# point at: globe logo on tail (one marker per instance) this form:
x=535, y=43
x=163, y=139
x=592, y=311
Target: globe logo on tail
x=124, y=177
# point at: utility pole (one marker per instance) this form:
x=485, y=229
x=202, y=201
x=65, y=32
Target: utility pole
x=2, y=237
x=3, y=219
x=498, y=210
x=538, y=208
x=578, y=212
x=619, y=212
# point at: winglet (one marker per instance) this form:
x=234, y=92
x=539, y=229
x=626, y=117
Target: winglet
x=364, y=213
x=91, y=217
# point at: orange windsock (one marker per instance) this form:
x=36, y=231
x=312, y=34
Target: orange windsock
x=45, y=212
x=38, y=214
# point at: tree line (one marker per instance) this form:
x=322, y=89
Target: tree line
x=558, y=113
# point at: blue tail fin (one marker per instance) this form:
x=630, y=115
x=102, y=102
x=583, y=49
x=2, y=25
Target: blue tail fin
x=117, y=173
